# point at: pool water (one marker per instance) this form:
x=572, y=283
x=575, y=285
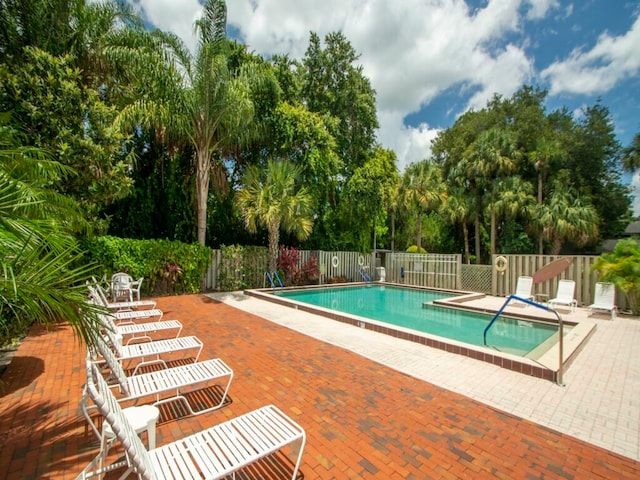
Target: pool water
x=405, y=307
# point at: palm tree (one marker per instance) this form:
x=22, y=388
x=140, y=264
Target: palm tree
x=196, y=98
x=566, y=216
x=43, y=272
x=631, y=155
x=548, y=152
x=275, y=201
x=456, y=209
x=510, y=196
x=422, y=186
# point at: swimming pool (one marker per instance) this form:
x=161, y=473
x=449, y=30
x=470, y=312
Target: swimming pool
x=412, y=309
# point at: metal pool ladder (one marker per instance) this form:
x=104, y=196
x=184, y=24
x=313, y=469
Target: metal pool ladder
x=537, y=305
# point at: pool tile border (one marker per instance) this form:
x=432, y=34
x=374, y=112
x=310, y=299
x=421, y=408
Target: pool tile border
x=509, y=362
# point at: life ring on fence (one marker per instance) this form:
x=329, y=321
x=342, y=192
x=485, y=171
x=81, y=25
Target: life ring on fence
x=335, y=261
x=501, y=264
x=360, y=260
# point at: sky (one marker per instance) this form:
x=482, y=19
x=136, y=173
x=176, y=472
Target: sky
x=429, y=61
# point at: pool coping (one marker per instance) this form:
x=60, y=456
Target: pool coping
x=546, y=367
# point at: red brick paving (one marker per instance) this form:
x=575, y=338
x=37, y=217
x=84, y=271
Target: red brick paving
x=363, y=420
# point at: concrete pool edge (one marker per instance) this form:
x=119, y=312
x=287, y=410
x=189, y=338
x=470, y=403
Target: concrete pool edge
x=544, y=368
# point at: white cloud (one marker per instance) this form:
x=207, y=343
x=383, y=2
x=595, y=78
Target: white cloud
x=176, y=16
x=411, y=50
x=539, y=8
x=411, y=144
x=611, y=60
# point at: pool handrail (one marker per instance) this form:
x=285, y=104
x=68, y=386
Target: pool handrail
x=272, y=277
x=365, y=276
x=537, y=305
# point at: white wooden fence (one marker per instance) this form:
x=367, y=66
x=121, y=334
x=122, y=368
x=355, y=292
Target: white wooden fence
x=444, y=271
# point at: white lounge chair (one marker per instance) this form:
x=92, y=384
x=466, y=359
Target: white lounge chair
x=157, y=351
x=214, y=453
x=524, y=287
x=604, y=298
x=124, y=316
x=565, y=295
x=163, y=386
x=136, y=332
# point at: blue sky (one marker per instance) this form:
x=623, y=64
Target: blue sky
x=431, y=60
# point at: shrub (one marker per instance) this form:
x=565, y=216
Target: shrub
x=414, y=249
x=622, y=268
x=167, y=266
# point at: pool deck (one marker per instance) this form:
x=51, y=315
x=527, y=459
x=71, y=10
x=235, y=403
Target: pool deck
x=372, y=406
x=600, y=402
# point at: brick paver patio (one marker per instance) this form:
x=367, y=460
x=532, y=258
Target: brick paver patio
x=363, y=419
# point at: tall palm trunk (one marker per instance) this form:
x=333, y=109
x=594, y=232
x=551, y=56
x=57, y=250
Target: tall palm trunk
x=540, y=237
x=202, y=193
x=465, y=234
x=419, y=232
x=493, y=232
x=477, y=226
x=274, y=239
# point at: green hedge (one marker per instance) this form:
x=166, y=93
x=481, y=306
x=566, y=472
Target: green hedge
x=167, y=266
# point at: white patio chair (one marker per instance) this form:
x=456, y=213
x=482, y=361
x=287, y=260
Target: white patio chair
x=604, y=298
x=143, y=304
x=121, y=287
x=524, y=287
x=160, y=386
x=135, y=288
x=565, y=295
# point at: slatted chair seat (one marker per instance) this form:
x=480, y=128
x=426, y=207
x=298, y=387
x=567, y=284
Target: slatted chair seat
x=211, y=454
x=154, y=352
x=130, y=316
x=140, y=330
x=136, y=332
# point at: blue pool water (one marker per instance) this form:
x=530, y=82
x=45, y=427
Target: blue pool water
x=404, y=307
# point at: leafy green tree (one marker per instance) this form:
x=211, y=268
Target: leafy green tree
x=275, y=200
x=422, y=187
x=622, y=268
x=303, y=138
x=58, y=113
x=368, y=195
x=79, y=29
x=43, y=275
x=332, y=83
x=595, y=170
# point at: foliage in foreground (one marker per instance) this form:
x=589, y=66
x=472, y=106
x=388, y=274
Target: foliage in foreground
x=41, y=275
x=622, y=268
